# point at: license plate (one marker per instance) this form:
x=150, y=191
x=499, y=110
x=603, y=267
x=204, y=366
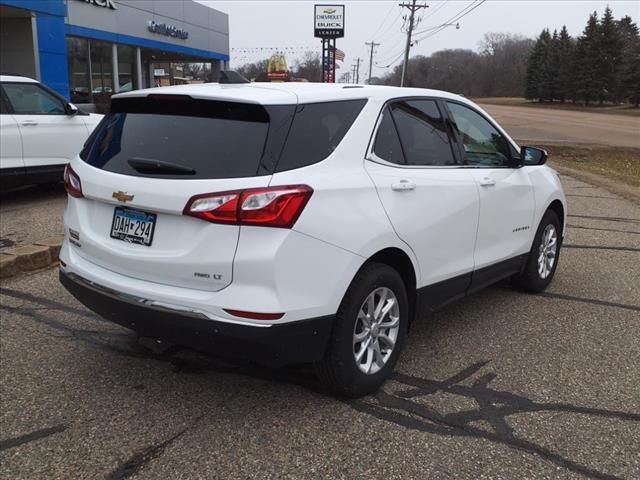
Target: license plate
x=133, y=226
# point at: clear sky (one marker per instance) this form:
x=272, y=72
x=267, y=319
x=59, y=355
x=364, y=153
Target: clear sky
x=288, y=25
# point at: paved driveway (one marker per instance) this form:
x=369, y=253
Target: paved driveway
x=550, y=125
x=499, y=385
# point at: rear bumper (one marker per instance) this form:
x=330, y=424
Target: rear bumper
x=275, y=345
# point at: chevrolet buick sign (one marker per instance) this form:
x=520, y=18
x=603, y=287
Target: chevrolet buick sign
x=168, y=30
x=101, y=3
x=328, y=21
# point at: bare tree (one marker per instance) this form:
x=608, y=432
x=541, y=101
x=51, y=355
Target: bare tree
x=497, y=69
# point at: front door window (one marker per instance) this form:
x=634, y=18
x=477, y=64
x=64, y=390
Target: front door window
x=483, y=144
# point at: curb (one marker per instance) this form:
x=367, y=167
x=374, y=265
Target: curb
x=26, y=258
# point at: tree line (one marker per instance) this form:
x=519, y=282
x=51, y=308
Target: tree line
x=497, y=69
x=601, y=65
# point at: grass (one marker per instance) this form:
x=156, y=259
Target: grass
x=619, y=164
x=625, y=109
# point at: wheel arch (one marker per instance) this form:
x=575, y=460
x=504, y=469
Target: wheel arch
x=558, y=208
x=401, y=262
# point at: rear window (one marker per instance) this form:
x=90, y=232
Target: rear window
x=179, y=137
x=173, y=136
x=317, y=129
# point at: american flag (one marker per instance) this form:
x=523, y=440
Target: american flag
x=339, y=54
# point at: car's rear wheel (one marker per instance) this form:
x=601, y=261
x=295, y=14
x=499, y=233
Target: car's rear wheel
x=368, y=333
x=543, y=258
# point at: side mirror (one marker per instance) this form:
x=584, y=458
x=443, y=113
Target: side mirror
x=533, y=156
x=71, y=108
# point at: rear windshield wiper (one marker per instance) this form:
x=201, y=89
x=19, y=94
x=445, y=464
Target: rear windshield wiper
x=159, y=167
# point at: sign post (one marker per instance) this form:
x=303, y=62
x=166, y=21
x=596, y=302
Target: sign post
x=328, y=24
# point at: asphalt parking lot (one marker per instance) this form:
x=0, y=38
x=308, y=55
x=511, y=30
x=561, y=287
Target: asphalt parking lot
x=499, y=385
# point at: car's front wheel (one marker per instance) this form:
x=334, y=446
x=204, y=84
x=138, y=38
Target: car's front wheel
x=543, y=257
x=368, y=333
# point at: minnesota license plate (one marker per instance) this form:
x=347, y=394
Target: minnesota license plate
x=133, y=226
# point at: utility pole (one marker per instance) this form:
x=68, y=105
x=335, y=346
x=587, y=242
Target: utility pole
x=373, y=45
x=357, y=70
x=413, y=8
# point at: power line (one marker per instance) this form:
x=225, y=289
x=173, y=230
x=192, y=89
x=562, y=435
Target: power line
x=435, y=10
x=462, y=13
x=373, y=45
x=413, y=7
x=388, y=29
x=392, y=59
x=386, y=17
x=356, y=70
x=393, y=4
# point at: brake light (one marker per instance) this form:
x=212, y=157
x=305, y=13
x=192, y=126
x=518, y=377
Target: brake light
x=267, y=207
x=72, y=183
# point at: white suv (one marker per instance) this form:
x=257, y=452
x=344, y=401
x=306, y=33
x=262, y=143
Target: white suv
x=295, y=223
x=39, y=132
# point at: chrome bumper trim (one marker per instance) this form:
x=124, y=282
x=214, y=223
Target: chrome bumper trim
x=153, y=304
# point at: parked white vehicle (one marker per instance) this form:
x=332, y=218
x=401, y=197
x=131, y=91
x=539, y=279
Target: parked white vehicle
x=294, y=223
x=40, y=132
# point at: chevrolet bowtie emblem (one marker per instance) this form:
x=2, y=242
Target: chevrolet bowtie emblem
x=122, y=196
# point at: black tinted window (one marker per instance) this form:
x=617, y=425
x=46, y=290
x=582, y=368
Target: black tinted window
x=423, y=133
x=483, y=144
x=316, y=131
x=387, y=144
x=182, y=138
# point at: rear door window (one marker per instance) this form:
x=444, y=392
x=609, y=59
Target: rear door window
x=387, y=144
x=177, y=137
x=316, y=131
x=423, y=133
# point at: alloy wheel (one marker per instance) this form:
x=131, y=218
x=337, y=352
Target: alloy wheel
x=376, y=330
x=547, y=251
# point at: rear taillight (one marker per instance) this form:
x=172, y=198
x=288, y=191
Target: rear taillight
x=267, y=207
x=72, y=183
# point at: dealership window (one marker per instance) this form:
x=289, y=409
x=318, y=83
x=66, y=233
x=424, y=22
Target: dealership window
x=79, y=70
x=101, y=72
x=127, y=79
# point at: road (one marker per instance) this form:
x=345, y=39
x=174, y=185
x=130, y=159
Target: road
x=540, y=125
x=499, y=385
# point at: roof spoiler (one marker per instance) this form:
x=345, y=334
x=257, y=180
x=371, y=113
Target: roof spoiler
x=228, y=77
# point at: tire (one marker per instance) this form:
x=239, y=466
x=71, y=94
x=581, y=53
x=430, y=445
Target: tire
x=339, y=371
x=535, y=278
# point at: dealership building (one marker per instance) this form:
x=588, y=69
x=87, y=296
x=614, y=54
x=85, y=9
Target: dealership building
x=87, y=50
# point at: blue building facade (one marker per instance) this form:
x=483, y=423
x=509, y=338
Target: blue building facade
x=86, y=49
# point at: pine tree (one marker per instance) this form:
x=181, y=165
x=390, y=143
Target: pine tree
x=550, y=68
x=609, y=46
x=630, y=74
x=587, y=58
x=536, y=79
x=629, y=84
x=566, y=60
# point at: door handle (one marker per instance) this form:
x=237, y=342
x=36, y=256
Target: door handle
x=29, y=123
x=403, y=185
x=487, y=182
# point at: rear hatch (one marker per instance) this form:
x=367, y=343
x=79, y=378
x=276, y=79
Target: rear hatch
x=146, y=160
